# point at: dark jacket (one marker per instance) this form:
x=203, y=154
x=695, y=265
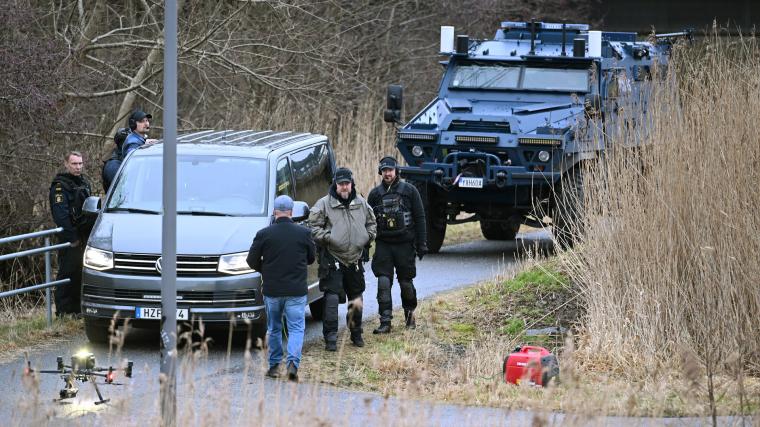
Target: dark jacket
x=412, y=202
x=67, y=194
x=133, y=142
x=281, y=253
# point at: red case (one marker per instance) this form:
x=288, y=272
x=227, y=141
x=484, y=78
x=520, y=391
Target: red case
x=530, y=363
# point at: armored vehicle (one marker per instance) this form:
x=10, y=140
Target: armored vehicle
x=515, y=119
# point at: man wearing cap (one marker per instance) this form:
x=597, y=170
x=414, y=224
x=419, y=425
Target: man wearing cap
x=343, y=225
x=401, y=234
x=281, y=253
x=139, y=124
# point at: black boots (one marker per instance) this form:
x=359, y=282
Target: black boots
x=292, y=372
x=331, y=346
x=356, y=339
x=410, y=322
x=274, y=371
x=384, y=328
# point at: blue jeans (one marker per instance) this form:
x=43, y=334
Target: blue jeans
x=293, y=308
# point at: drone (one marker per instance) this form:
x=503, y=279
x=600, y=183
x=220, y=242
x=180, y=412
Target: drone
x=82, y=369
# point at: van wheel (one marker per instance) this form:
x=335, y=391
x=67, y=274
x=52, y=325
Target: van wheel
x=499, y=230
x=96, y=330
x=317, y=309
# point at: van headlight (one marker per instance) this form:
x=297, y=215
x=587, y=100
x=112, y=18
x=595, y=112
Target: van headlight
x=234, y=263
x=98, y=259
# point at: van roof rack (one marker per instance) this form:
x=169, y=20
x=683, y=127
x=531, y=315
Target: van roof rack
x=267, y=139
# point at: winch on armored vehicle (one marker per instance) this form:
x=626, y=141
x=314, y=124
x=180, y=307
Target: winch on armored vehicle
x=514, y=120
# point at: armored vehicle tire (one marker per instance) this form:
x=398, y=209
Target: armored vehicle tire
x=435, y=217
x=96, y=330
x=499, y=230
x=317, y=309
x=568, y=208
x=435, y=236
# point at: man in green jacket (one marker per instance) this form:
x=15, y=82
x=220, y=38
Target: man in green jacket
x=343, y=225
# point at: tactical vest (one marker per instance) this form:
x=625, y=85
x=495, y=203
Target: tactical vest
x=79, y=192
x=393, y=216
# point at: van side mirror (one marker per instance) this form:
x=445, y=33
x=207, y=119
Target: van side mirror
x=91, y=205
x=300, y=211
x=394, y=103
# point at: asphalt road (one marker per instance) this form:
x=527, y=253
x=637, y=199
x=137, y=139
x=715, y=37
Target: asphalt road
x=218, y=389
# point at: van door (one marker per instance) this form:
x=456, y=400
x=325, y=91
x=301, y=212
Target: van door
x=313, y=173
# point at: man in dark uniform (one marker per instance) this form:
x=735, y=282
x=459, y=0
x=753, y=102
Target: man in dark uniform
x=401, y=234
x=67, y=194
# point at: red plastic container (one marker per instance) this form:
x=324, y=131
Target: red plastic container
x=533, y=364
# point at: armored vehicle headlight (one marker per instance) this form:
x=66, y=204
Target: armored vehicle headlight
x=539, y=141
x=543, y=156
x=234, y=263
x=98, y=259
x=477, y=139
x=418, y=136
x=416, y=151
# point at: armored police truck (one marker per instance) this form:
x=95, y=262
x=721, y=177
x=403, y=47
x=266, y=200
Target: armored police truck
x=515, y=119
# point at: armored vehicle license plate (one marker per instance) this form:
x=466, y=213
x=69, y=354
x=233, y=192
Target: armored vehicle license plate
x=470, y=182
x=155, y=313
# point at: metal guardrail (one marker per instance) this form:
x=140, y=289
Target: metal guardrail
x=48, y=267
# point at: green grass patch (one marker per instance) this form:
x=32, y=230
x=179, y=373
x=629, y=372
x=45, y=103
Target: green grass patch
x=32, y=330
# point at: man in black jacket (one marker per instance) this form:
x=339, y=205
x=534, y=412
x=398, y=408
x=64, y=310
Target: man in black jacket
x=281, y=253
x=67, y=194
x=401, y=234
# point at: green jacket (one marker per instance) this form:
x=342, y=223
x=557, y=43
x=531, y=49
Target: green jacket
x=344, y=232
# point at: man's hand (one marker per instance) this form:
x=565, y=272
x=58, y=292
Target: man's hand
x=75, y=244
x=151, y=141
x=365, y=253
x=422, y=250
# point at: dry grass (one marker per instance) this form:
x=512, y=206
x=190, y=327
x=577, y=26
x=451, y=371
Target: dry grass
x=670, y=264
x=456, y=353
x=30, y=330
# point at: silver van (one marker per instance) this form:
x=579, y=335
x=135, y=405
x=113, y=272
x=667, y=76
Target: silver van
x=226, y=184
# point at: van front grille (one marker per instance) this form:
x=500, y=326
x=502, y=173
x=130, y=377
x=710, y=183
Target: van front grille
x=238, y=298
x=147, y=265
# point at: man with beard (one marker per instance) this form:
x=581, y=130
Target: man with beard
x=139, y=125
x=343, y=225
x=400, y=235
x=67, y=194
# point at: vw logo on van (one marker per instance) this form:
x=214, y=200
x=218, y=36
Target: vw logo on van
x=158, y=265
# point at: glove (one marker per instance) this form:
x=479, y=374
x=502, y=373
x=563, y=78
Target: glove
x=422, y=250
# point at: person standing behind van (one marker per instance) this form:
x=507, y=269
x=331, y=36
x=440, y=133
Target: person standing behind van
x=111, y=166
x=67, y=194
x=139, y=124
x=343, y=224
x=281, y=253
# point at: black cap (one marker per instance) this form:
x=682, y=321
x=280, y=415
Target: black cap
x=343, y=175
x=387, y=162
x=138, y=115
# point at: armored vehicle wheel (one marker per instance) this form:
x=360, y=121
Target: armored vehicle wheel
x=317, y=309
x=435, y=217
x=568, y=208
x=96, y=330
x=499, y=230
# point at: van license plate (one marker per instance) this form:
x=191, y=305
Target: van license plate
x=155, y=313
x=470, y=182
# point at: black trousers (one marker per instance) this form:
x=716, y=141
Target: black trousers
x=344, y=282
x=68, y=297
x=399, y=257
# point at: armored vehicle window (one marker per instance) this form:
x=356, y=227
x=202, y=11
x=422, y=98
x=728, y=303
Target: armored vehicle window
x=284, y=178
x=309, y=168
x=555, y=79
x=205, y=184
x=485, y=77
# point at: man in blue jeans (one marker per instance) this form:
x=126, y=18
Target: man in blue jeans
x=281, y=253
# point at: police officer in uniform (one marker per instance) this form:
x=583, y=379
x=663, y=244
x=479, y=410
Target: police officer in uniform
x=401, y=235
x=67, y=194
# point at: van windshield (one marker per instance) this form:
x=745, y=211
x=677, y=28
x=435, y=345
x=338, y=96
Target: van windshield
x=206, y=185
